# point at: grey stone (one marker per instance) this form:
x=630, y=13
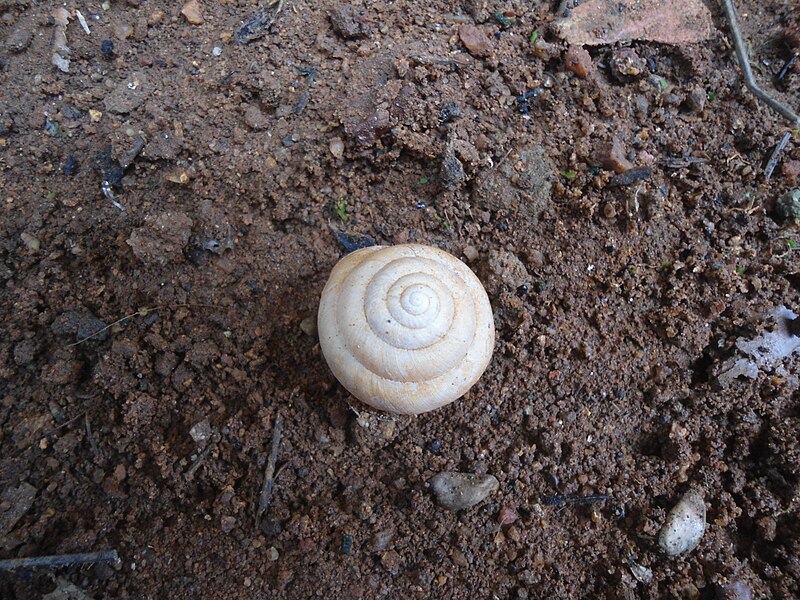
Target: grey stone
x=788, y=205
x=19, y=38
x=457, y=491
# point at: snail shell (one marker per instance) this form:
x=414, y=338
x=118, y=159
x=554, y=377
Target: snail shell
x=406, y=329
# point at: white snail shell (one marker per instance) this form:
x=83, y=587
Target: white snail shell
x=405, y=329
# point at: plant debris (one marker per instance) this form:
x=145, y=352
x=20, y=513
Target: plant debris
x=59, y=560
x=352, y=242
x=258, y=25
x=600, y=22
x=763, y=353
x=269, y=474
x=60, y=49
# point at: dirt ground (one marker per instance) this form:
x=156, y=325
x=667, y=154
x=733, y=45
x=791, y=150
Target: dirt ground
x=613, y=204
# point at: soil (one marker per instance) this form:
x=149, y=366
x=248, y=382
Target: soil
x=616, y=209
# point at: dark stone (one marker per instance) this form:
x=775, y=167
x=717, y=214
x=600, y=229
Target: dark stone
x=107, y=48
x=71, y=166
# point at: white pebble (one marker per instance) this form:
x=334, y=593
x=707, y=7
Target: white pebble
x=336, y=146
x=201, y=432
x=31, y=242
x=684, y=526
x=216, y=51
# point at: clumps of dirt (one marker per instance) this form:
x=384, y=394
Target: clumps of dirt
x=521, y=184
x=378, y=103
x=350, y=22
x=162, y=239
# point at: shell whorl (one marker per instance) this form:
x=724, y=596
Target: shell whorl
x=405, y=328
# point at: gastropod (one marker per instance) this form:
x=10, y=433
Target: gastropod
x=406, y=329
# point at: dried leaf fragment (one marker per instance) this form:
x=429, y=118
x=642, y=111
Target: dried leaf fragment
x=61, y=51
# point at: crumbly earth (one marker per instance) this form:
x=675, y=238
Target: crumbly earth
x=244, y=171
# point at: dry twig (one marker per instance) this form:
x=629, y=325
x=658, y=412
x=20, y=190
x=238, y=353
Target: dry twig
x=773, y=159
x=95, y=449
x=749, y=80
x=59, y=560
x=269, y=473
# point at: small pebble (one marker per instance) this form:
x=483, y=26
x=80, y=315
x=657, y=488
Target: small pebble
x=451, y=171
x=471, y=253
x=336, y=146
x=391, y=561
x=382, y=539
x=788, y=206
x=507, y=515
x=272, y=553
x=309, y=326
x=457, y=491
x=578, y=60
x=475, y=41
x=191, y=10
x=31, y=242
x=19, y=39
x=640, y=572
x=227, y=523
x=122, y=31
x=449, y=112
x=685, y=525
x=612, y=156
x=696, y=101
x=216, y=51
x=201, y=432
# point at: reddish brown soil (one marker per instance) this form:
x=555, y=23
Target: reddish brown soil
x=613, y=303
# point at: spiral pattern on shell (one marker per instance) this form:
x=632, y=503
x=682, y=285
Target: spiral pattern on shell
x=406, y=328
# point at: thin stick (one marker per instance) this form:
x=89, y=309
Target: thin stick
x=773, y=160
x=92, y=442
x=505, y=156
x=573, y=499
x=269, y=474
x=141, y=312
x=749, y=80
x=60, y=560
x=64, y=424
x=197, y=463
